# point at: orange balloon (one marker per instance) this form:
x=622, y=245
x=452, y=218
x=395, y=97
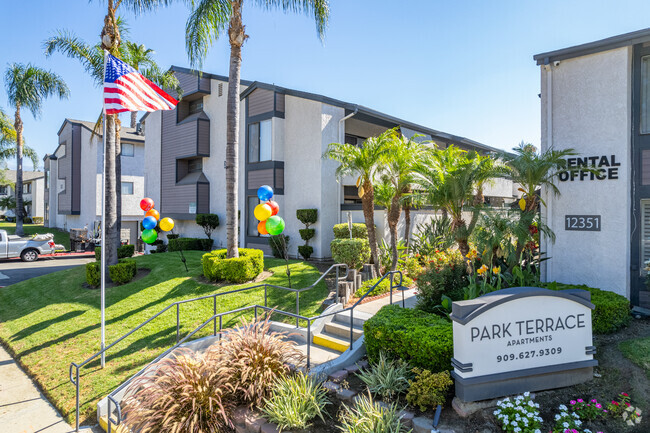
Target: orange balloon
x=261, y=228
x=153, y=213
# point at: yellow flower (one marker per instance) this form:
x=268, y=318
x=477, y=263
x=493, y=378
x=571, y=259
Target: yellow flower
x=483, y=269
x=496, y=270
x=472, y=254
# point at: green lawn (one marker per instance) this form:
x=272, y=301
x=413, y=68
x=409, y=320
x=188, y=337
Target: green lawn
x=60, y=236
x=49, y=321
x=638, y=351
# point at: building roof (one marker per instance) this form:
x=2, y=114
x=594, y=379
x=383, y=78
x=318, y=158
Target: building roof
x=624, y=40
x=125, y=133
x=27, y=175
x=361, y=112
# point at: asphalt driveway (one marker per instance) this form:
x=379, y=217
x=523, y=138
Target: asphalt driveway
x=13, y=271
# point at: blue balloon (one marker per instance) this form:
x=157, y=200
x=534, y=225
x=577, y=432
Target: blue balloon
x=265, y=193
x=149, y=223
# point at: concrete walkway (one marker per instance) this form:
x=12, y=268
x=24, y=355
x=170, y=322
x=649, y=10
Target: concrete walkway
x=23, y=409
x=373, y=307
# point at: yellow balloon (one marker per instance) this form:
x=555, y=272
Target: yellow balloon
x=263, y=211
x=166, y=224
x=522, y=203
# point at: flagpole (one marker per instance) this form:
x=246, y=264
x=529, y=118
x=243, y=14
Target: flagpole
x=103, y=240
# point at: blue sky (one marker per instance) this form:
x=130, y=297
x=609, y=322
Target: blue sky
x=463, y=67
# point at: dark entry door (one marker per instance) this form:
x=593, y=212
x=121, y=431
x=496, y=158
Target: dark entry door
x=640, y=253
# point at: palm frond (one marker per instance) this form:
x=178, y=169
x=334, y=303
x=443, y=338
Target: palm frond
x=28, y=85
x=71, y=46
x=319, y=9
x=205, y=24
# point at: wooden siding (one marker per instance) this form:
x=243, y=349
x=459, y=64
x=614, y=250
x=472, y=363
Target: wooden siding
x=64, y=202
x=203, y=137
x=645, y=167
x=188, y=82
x=204, y=84
x=279, y=178
x=260, y=101
x=76, y=168
x=203, y=198
x=257, y=178
x=279, y=102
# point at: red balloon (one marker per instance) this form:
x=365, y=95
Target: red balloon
x=261, y=228
x=275, y=208
x=146, y=204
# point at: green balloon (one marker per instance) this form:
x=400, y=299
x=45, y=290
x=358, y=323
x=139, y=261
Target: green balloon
x=275, y=225
x=149, y=236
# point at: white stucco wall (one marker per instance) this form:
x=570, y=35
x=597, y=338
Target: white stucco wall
x=590, y=111
x=152, y=156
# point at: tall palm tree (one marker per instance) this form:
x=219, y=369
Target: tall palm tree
x=27, y=87
x=91, y=58
x=8, y=142
x=398, y=171
x=209, y=18
x=450, y=179
x=532, y=171
x=366, y=162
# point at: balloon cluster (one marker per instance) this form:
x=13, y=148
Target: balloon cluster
x=267, y=212
x=151, y=220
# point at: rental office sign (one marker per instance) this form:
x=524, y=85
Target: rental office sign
x=521, y=339
x=602, y=167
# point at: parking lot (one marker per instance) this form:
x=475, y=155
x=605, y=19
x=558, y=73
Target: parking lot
x=13, y=271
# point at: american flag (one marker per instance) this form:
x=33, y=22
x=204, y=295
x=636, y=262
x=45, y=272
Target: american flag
x=125, y=89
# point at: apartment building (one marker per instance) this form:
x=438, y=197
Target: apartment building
x=283, y=134
x=33, y=192
x=73, y=179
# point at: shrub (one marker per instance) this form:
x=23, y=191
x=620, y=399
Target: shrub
x=93, y=274
x=187, y=244
x=172, y=236
x=342, y=231
x=387, y=378
x=612, y=311
x=352, y=252
x=184, y=394
x=410, y=266
x=206, y=244
x=27, y=220
x=160, y=246
x=217, y=267
x=428, y=390
x=208, y=221
x=368, y=416
x=305, y=251
x=295, y=400
x=446, y=274
x=383, y=287
x=307, y=234
x=37, y=220
x=123, y=252
x=254, y=358
x=279, y=246
x=123, y=272
x=307, y=216
x=422, y=339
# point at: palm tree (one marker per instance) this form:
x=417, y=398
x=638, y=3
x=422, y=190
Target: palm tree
x=27, y=86
x=365, y=161
x=209, y=18
x=532, y=171
x=451, y=179
x=8, y=142
x=399, y=168
x=91, y=58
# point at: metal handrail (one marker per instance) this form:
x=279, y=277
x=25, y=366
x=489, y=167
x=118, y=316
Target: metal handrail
x=77, y=367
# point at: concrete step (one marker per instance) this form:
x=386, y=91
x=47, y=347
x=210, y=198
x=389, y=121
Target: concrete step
x=330, y=341
x=359, y=318
x=103, y=423
x=342, y=330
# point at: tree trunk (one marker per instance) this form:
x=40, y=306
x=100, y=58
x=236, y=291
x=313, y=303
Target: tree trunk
x=18, y=125
x=134, y=119
x=368, y=204
x=393, y=218
x=407, y=225
x=459, y=229
x=237, y=36
x=118, y=180
x=109, y=245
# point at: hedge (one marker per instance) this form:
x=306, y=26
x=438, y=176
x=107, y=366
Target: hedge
x=612, y=310
x=342, y=231
x=305, y=251
x=383, y=287
x=422, y=339
x=123, y=252
x=187, y=244
x=352, y=252
x=307, y=216
x=123, y=272
x=247, y=266
x=93, y=274
x=37, y=220
x=307, y=234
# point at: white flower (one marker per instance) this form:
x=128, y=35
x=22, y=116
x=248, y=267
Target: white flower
x=565, y=424
x=517, y=429
x=578, y=422
x=526, y=394
x=514, y=423
x=563, y=407
x=539, y=431
x=557, y=417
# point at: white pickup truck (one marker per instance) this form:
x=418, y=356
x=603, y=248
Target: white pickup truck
x=27, y=248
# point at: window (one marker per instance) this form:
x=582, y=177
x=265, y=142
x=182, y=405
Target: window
x=645, y=95
x=259, y=141
x=4, y=190
x=351, y=194
x=47, y=179
x=196, y=106
x=127, y=149
x=127, y=188
x=195, y=165
x=27, y=188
